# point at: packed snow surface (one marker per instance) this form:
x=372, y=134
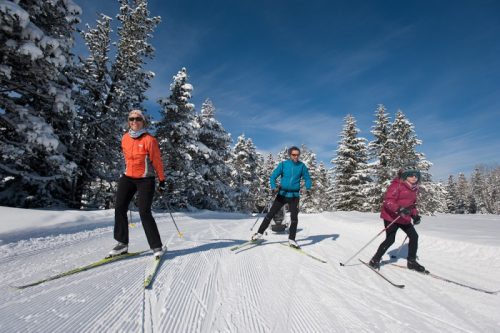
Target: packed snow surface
x=202, y=286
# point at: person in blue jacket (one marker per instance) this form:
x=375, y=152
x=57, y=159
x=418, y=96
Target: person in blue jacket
x=291, y=172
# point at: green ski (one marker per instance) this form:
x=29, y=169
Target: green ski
x=99, y=263
x=250, y=242
x=305, y=253
x=153, y=269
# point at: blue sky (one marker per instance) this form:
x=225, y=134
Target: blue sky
x=286, y=72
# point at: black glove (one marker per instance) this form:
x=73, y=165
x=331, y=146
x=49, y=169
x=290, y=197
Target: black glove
x=162, y=186
x=416, y=219
x=404, y=211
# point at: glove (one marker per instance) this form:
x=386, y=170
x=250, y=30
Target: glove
x=306, y=192
x=162, y=186
x=416, y=219
x=404, y=211
x=276, y=189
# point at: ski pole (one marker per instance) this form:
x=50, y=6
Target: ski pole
x=371, y=240
x=173, y=220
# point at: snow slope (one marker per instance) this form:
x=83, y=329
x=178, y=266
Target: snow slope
x=204, y=287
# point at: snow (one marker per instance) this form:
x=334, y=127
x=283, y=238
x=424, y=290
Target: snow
x=30, y=49
x=204, y=287
x=16, y=14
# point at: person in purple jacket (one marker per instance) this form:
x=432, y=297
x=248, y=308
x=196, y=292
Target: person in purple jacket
x=398, y=211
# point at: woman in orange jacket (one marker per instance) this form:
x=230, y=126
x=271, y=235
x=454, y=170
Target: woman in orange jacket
x=142, y=160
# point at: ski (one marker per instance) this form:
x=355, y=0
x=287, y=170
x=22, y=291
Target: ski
x=426, y=272
x=305, y=253
x=99, y=263
x=153, y=269
x=250, y=242
x=382, y=276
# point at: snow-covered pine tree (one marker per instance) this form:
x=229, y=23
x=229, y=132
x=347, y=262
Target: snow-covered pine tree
x=350, y=169
x=402, y=147
x=462, y=194
x=403, y=144
x=36, y=111
x=378, y=152
x=245, y=176
x=130, y=80
x=493, y=190
x=312, y=203
x=100, y=123
x=177, y=133
x=265, y=172
x=215, y=152
x=479, y=190
x=108, y=90
x=451, y=196
x=322, y=185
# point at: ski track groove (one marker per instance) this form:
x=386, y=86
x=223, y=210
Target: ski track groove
x=303, y=310
x=213, y=289
x=64, y=293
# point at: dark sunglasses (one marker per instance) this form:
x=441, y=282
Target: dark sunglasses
x=294, y=154
x=136, y=119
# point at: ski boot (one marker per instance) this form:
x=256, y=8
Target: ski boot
x=414, y=265
x=120, y=248
x=374, y=263
x=255, y=237
x=293, y=243
x=159, y=251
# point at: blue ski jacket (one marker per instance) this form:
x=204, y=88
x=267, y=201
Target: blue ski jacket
x=291, y=174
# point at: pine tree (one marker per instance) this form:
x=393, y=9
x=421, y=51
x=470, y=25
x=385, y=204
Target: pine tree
x=478, y=190
x=350, y=169
x=177, y=133
x=36, y=111
x=402, y=147
x=215, y=154
x=379, y=153
x=322, y=186
x=493, y=190
x=246, y=182
x=264, y=175
x=312, y=203
x=462, y=195
x=108, y=90
x=451, y=195
x=403, y=144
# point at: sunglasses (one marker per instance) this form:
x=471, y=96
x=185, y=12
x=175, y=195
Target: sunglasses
x=294, y=154
x=135, y=119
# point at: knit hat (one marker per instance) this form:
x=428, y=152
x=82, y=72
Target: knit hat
x=137, y=112
x=409, y=170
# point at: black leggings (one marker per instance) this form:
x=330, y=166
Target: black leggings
x=390, y=237
x=145, y=188
x=293, y=205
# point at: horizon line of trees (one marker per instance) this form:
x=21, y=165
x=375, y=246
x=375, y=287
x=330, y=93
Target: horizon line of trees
x=62, y=118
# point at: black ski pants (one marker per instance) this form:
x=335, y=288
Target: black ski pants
x=145, y=188
x=279, y=202
x=390, y=237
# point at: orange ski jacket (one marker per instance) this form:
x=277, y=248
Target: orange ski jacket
x=142, y=156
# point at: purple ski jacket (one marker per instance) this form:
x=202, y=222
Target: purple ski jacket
x=399, y=194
